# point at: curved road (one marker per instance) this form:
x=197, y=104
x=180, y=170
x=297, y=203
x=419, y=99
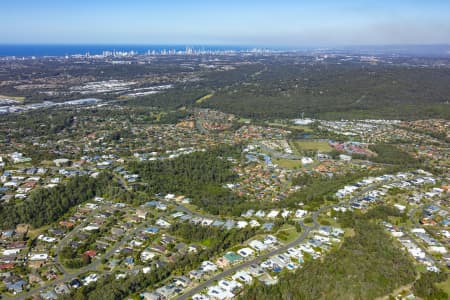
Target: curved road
x=93, y=266
x=246, y=264
x=280, y=250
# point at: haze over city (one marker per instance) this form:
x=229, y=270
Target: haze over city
x=233, y=22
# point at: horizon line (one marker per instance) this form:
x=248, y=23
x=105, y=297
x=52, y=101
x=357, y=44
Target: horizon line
x=217, y=44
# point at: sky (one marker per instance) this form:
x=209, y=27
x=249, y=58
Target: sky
x=230, y=22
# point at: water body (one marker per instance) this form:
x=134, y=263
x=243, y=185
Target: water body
x=71, y=49
x=62, y=50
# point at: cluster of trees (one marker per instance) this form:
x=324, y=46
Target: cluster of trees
x=75, y=258
x=425, y=287
x=440, y=135
x=35, y=123
x=215, y=235
x=109, y=288
x=199, y=175
x=381, y=212
x=187, y=173
x=376, y=214
x=367, y=265
x=178, y=97
x=72, y=260
x=216, y=239
x=46, y=205
x=391, y=154
x=316, y=190
x=172, y=117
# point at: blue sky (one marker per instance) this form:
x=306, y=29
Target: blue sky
x=244, y=22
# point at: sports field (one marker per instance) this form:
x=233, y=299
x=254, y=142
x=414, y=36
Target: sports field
x=308, y=145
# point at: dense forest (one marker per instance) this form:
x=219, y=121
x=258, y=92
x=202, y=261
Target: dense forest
x=324, y=90
x=367, y=265
x=391, y=154
x=425, y=287
x=199, y=175
x=186, y=172
x=46, y=205
x=334, y=90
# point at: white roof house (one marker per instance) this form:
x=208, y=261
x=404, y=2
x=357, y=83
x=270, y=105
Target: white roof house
x=400, y=207
x=246, y=252
x=242, y=224
x=91, y=228
x=254, y=223
x=307, y=160
x=46, y=238
x=300, y=213
x=270, y=239
x=90, y=278
x=229, y=286
x=216, y=292
x=207, y=222
x=258, y=245
x=208, y=266
x=285, y=213
x=200, y=297
x=260, y=214
x=163, y=223
x=38, y=256
x=273, y=214
x=147, y=255
x=243, y=277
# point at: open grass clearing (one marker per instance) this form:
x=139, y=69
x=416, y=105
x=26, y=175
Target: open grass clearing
x=204, y=98
x=288, y=163
x=312, y=145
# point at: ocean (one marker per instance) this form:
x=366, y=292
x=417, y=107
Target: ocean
x=62, y=50
x=71, y=49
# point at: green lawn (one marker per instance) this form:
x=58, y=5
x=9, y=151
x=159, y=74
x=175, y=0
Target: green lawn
x=206, y=243
x=244, y=120
x=204, y=98
x=33, y=233
x=21, y=99
x=308, y=145
x=306, y=129
x=445, y=286
x=288, y=163
x=287, y=233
